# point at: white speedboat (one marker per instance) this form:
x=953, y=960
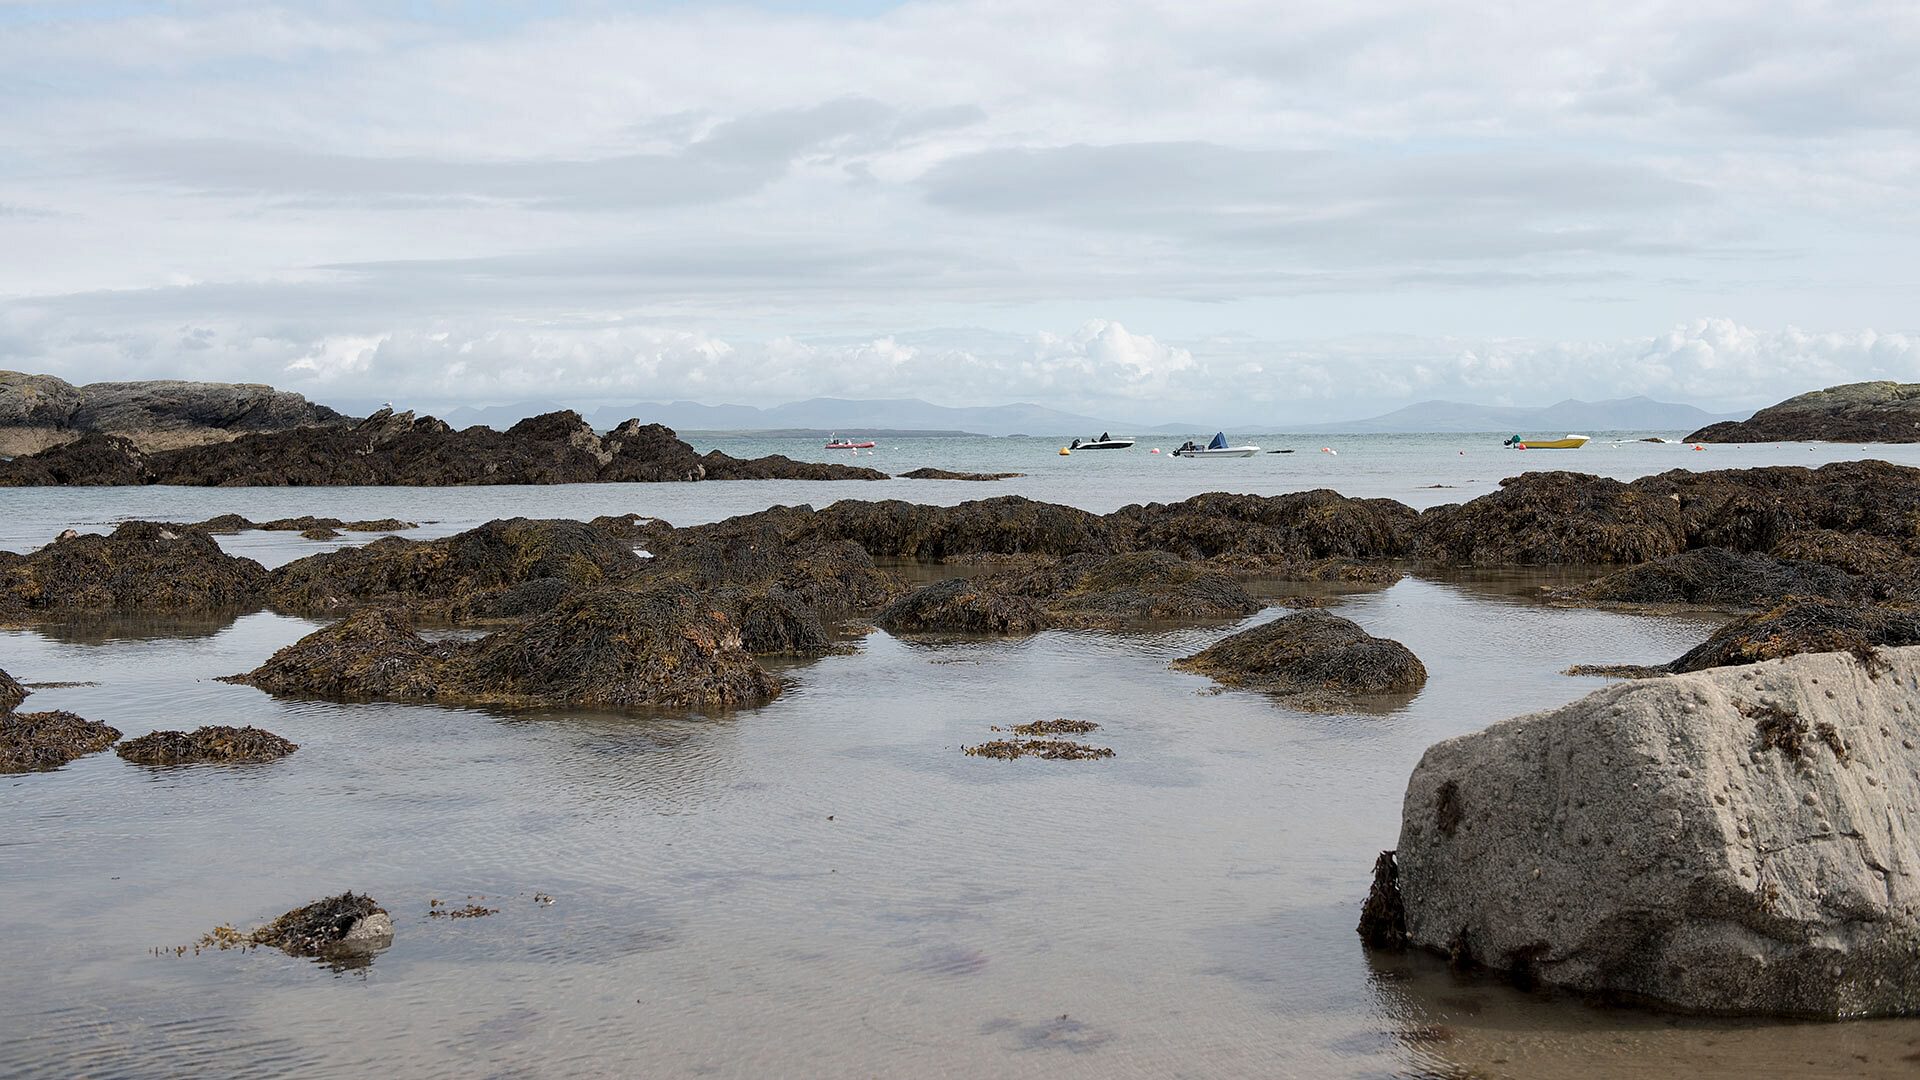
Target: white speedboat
x=1217, y=448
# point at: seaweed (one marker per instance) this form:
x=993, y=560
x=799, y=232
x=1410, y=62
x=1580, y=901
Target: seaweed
x=1306, y=652
x=1049, y=749
x=1383, y=917
x=214, y=744
x=47, y=740
x=321, y=928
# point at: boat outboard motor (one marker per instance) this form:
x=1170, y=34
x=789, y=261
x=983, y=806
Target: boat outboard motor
x=1075, y=446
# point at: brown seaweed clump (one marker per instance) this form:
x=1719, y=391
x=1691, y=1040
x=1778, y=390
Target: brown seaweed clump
x=141, y=566
x=11, y=693
x=1136, y=587
x=1255, y=532
x=1055, y=727
x=344, y=925
x=34, y=741
x=1553, y=518
x=1805, y=626
x=371, y=654
x=1049, y=749
x=1383, y=918
x=213, y=745
x=1310, y=652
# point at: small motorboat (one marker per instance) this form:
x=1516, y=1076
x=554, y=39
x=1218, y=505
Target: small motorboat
x=1217, y=448
x=835, y=442
x=1104, y=442
x=1565, y=442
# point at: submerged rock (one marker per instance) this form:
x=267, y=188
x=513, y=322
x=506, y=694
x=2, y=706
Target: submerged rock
x=207, y=745
x=1730, y=841
x=140, y=566
x=48, y=740
x=1311, y=653
x=343, y=926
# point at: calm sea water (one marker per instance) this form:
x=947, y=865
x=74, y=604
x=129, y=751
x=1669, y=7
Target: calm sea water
x=824, y=886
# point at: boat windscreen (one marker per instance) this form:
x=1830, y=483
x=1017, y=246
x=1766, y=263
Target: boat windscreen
x=1219, y=441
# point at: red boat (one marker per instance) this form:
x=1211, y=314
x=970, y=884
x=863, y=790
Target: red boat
x=837, y=443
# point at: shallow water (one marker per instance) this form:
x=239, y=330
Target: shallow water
x=822, y=886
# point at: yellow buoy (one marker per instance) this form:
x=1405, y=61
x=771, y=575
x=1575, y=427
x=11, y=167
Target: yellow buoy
x=1064, y=452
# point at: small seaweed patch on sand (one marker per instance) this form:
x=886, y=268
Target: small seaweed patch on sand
x=1050, y=749
x=1051, y=727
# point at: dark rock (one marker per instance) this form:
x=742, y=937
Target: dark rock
x=1856, y=412
x=944, y=474
x=1804, y=626
x=97, y=460
x=48, y=740
x=1311, y=652
x=1007, y=525
x=140, y=566
x=1137, y=587
x=320, y=534
x=207, y=745
x=372, y=654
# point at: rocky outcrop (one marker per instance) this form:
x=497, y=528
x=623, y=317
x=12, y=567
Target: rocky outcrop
x=607, y=646
x=1794, y=626
x=1553, y=518
x=388, y=449
x=984, y=605
x=38, y=411
x=1854, y=413
x=48, y=740
x=1319, y=657
x=218, y=744
x=140, y=566
x=1731, y=841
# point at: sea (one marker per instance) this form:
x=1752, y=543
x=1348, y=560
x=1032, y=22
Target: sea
x=824, y=886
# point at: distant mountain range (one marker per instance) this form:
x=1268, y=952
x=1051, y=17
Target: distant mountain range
x=899, y=416
x=1623, y=414
x=868, y=417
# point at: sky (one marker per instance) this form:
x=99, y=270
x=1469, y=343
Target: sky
x=1244, y=211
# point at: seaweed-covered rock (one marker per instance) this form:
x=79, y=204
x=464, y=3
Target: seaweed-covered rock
x=1383, y=917
x=207, y=745
x=453, y=573
x=371, y=654
x=48, y=740
x=1856, y=412
x=1008, y=525
x=931, y=473
x=609, y=646
x=339, y=926
x=391, y=448
x=1716, y=578
x=1311, y=652
x=1552, y=518
x=983, y=605
x=1730, y=841
x=1804, y=625
x=11, y=693
x=141, y=566
x=232, y=523
x=1258, y=531
x=775, y=622
x=1140, y=586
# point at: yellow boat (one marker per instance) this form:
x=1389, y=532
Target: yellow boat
x=1565, y=442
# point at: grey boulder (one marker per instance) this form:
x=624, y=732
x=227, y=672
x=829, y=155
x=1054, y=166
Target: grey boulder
x=1735, y=841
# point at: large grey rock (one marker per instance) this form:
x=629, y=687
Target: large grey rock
x=37, y=411
x=1856, y=412
x=1737, y=840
